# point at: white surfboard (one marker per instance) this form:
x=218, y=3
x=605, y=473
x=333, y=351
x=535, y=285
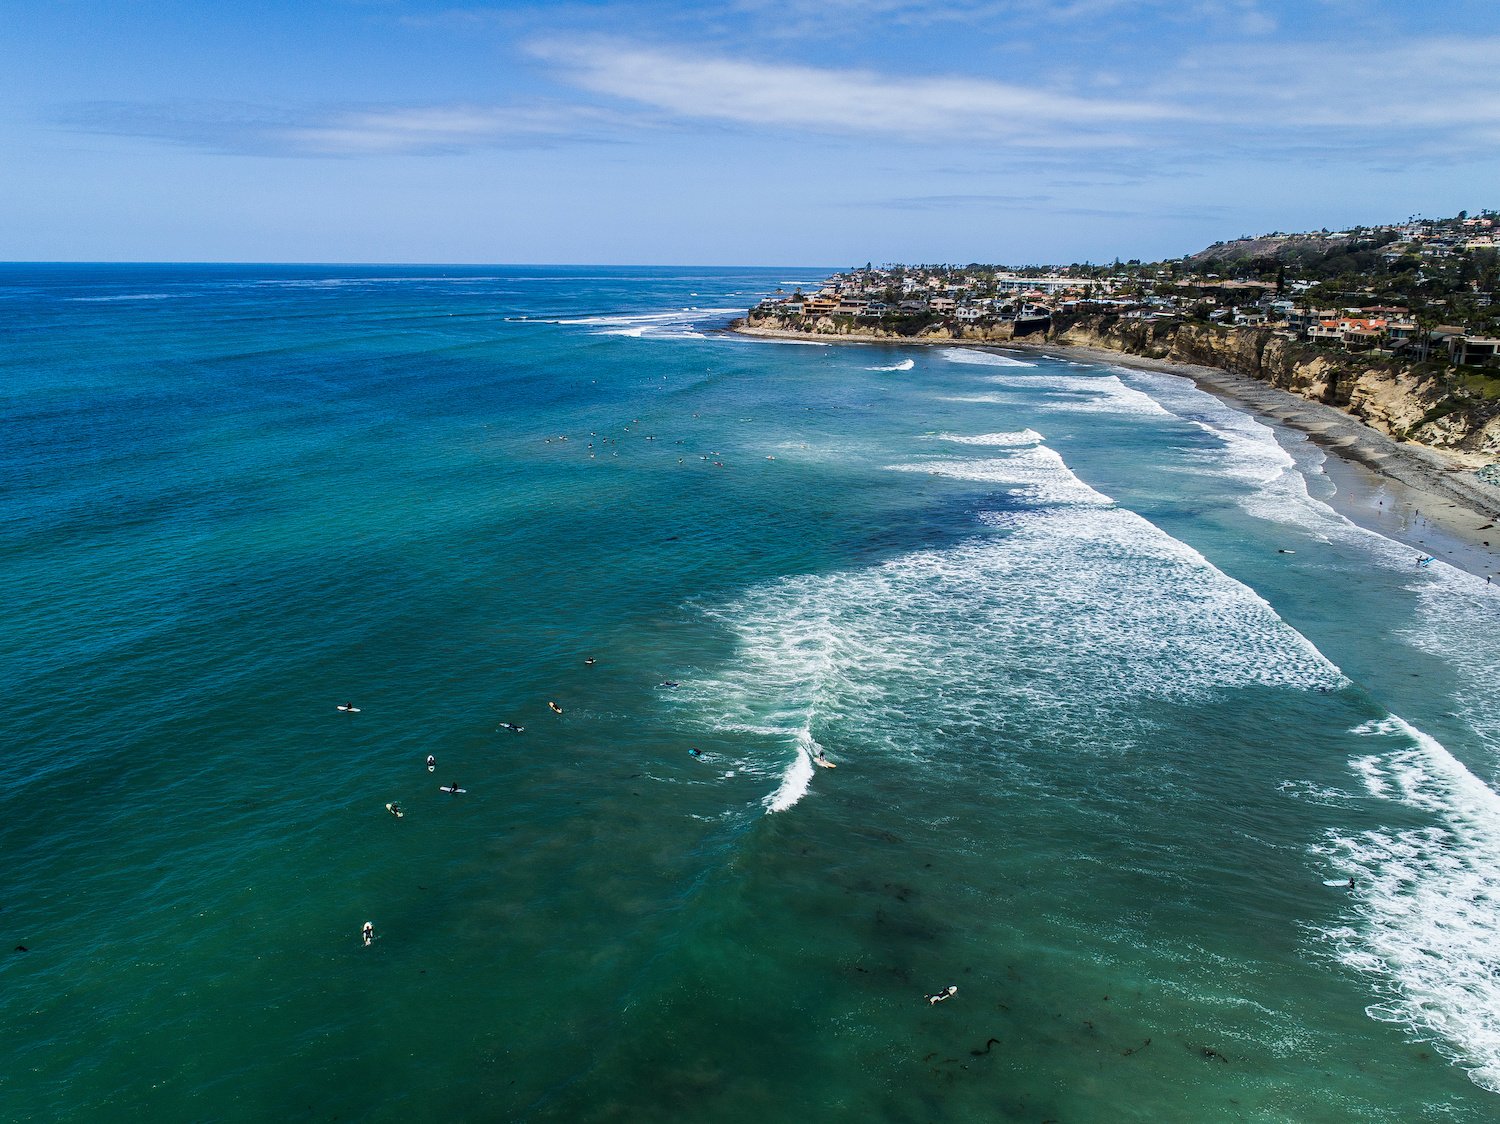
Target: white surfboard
x=393, y=810
x=450, y=788
x=348, y=709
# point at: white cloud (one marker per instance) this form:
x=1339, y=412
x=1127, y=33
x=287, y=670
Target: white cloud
x=435, y=128
x=781, y=96
x=1430, y=97
x=230, y=127
x=1420, y=89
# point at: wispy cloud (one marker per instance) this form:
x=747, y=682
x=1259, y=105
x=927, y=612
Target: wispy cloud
x=1435, y=99
x=1372, y=90
x=231, y=127
x=780, y=96
x=1438, y=98
x=1248, y=17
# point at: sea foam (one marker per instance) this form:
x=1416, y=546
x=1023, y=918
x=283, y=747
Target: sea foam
x=1069, y=590
x=981, y=358
x=1427, y=899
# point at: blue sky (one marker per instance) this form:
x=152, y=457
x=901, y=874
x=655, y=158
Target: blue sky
x=743, y=132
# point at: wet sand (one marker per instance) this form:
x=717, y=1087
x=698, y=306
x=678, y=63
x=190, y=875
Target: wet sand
x=1410, y=493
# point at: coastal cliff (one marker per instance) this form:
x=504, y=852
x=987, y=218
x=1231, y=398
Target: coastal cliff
x=1424, y=403
x=845, y=327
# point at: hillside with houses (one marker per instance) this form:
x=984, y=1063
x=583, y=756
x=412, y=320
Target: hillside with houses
x=1423, y=290
x=1397, y=324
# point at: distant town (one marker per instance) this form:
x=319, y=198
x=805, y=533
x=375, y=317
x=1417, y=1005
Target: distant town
x=1421, y=290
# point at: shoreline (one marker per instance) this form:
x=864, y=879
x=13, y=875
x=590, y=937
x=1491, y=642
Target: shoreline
x=1408, y=493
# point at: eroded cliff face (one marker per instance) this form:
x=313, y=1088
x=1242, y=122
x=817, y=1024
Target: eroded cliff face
x=1409, y=403
x=843, y=326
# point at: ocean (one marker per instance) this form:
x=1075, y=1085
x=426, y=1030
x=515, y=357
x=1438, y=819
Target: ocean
x=1118, y=706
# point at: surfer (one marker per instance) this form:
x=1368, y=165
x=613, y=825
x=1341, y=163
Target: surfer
x=395, y=809
x=368, y=933
x=948, y=993
x=667, y=683
x=510, y=726
x=590, y=662
x=1351, y=883
x=431, y=762
x=695, y=753
x=555, y=708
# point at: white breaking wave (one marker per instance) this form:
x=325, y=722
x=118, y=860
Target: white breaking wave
x=682, y=323
x=1090, y=394
x=1020, y=437
x=1037, y=473
x=1455, y=609
x=904, y=365
x=1427, y=900
x=981, y=358
x=798, y=778
x=1080, y=592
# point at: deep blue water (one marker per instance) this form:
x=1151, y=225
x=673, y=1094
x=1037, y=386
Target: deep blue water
x=1106, y=758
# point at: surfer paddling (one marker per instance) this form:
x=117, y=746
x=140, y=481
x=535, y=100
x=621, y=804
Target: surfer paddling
x=948, y=993
x=367, y=934
x=554, y=708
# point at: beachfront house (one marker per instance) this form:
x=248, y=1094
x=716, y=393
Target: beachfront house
x=1473, y=351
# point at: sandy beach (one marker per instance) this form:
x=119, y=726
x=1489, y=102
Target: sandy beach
x=1410, y=493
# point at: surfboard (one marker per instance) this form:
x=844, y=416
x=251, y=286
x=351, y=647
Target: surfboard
x=823, y=761
x=450, y=788
x=393, y=810
x=348, y=709
x=555, y=708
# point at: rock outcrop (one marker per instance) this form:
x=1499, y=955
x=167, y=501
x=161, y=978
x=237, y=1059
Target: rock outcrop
x=847, y=328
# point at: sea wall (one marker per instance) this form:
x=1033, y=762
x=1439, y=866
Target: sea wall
x=1411, y=402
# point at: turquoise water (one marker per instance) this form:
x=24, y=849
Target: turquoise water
x=1106, y=758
